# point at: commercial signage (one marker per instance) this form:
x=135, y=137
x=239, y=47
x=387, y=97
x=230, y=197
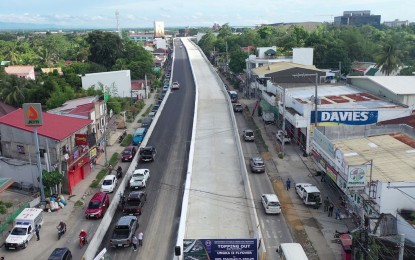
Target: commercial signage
x=332, y=173
x=32, y=113
x=81, y=139
x=356, y=176
x=220, y=249
x=352, y=117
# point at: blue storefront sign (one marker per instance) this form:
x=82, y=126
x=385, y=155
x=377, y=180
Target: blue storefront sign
x=220, y=249
x=352, y=117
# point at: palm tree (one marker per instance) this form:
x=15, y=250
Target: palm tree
x=13, y=91
x=388, y=57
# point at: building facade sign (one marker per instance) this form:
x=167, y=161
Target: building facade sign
x=356, y=176
x=351, y=117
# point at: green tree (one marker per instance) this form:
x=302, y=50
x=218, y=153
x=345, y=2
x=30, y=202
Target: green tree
x=13, y=91
x=388, y=58
x=237, y=61
x=105, y=48
x=51, y=179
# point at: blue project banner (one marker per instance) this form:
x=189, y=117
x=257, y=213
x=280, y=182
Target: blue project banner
x=352, y=117
x=220, y=249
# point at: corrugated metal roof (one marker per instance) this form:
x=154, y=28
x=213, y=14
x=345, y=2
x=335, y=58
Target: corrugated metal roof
x=400, y=85
x=19, y=69
x=281, y=66
x=54, y=126
x=393, y=160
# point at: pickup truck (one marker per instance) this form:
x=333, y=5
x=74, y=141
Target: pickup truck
x=237, y=107
x=124, y=231
x=148, y=153
x=139, y=178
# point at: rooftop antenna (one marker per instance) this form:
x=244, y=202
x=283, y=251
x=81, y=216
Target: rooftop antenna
x=117, y=16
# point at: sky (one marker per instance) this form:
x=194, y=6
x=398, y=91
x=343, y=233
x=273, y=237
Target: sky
x=142, y=13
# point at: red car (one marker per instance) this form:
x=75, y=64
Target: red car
x=97, y=205
x=128, y=154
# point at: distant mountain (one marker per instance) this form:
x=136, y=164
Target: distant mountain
x=28, y=26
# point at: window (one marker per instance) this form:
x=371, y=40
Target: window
x=42, y=152
x=20, y=149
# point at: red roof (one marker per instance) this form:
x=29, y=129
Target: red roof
x=54, y=126
x=83, y=110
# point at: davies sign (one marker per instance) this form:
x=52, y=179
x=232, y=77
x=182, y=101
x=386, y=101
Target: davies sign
x=352, y=117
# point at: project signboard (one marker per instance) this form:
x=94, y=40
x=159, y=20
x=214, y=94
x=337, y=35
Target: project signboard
x=220, y=249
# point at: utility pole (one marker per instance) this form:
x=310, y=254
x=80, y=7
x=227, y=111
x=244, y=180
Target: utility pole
x=340, y=70
x=401, y=246
x=283, y=123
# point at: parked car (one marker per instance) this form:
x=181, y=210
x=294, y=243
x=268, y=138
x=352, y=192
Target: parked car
x=124, y=231
x=135, y=202
x=155, y=108
x=257, y=164
x=128, y=154
x=175, y=85
x=283, y=137
x=148, y=153
x=237, y=107
x=151, y=114
x=62, y=253
x=98, y=205
x=139, y=178
x=146, y=122
x=109, y=184
x=248, y=135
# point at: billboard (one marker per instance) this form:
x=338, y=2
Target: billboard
x=352, y=117
x=220, y=249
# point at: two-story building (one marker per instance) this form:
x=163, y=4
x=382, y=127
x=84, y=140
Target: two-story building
x=65, y=144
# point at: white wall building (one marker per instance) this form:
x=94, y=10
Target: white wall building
x=118, y=82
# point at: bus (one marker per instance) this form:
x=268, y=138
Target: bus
x=139, y=135
x=291, y=251
x=233, y=95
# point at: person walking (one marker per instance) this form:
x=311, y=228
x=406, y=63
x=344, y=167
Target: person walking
x=323, y=176
x=288, y=183
x=338, y=214
x=140, y=238
x=326, y=204
x=37, y=230
x=331, y=208
x=135, y=242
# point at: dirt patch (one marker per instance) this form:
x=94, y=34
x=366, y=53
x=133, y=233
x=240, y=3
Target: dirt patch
x=294, y=223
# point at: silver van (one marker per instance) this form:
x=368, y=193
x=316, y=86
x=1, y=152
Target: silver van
x=271, y=203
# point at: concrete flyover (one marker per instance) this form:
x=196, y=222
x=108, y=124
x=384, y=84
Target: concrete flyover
x=217, y=201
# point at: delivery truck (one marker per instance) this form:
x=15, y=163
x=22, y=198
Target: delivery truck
x=24, y=228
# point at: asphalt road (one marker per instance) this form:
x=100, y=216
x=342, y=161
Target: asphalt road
x=274, y=228
x=161, y=213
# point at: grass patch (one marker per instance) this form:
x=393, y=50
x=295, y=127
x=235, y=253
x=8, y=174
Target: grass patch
x=113, y=161
x=127, y=140
x=79, y=203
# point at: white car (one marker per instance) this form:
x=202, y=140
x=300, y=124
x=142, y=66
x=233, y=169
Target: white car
x=139, y=178
x=109, y=183
x=175, y=85
x=281, y=135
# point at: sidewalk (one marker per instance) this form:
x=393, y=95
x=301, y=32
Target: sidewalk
x=310, y=227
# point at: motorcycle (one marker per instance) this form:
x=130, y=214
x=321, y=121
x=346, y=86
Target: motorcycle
x=122, y=136
x=82, y=240
x=119, y=172
x=61, y=231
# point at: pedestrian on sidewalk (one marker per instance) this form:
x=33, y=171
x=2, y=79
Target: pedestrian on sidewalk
x=326, y=204
x=323, y=176
x=135, y=242
x=109, y=168
x=37, y=230
x=140, y=238
x=288, y=183
x=338, y=214
x=331, y=208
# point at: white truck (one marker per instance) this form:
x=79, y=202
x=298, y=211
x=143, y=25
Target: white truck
x=309, y=194
x=24, y=228
x=268, y=117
